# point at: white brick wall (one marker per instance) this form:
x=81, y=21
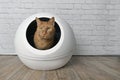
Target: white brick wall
x=95, y=22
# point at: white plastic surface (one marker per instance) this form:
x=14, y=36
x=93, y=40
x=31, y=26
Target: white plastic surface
x=45, y=64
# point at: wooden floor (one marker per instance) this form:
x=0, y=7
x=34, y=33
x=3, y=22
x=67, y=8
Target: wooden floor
x=79, y=68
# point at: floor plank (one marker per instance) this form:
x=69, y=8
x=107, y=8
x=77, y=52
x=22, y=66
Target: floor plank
x=78, y=68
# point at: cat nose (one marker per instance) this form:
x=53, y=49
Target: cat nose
x=44, y=33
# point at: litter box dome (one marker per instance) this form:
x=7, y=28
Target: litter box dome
x=52, y=58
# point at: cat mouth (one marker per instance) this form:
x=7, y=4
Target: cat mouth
x=44, y=37
x=41, y=36
x=47, y=38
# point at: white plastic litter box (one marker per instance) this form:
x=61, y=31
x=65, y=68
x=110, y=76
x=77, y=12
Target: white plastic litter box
x=53, y=58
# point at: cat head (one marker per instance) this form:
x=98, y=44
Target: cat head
x=46, y=29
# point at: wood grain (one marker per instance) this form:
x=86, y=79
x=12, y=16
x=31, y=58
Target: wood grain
x=78, y=68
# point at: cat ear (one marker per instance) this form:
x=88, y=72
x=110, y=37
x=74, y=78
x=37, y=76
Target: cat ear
x=52, y=20
x=38, y=21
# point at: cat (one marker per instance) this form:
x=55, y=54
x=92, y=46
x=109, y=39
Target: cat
x=44, y=34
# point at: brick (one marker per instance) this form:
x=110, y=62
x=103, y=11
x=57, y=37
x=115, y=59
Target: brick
x=79, y=1
x=98, y=43
x=84, y=42
x=95, y=12
x=65, y=1
x=72, y=12
x=101, y=16
x=114, y=12
x=44, y=5
x=117, y=6
x=84, y=27
x=88, y=17
x=64, y=6
x=115, y=1
x=99, y=22
x=5, y=1
x=93, y=6
x=78, y=6
x=98, y=1
x=70, y=16
x=86, y=48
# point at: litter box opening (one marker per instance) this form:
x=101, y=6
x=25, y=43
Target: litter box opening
x=32, y=28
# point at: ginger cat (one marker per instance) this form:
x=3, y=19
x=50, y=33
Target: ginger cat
x=44, y=34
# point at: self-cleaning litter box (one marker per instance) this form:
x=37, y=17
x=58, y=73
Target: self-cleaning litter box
x=49, y=59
